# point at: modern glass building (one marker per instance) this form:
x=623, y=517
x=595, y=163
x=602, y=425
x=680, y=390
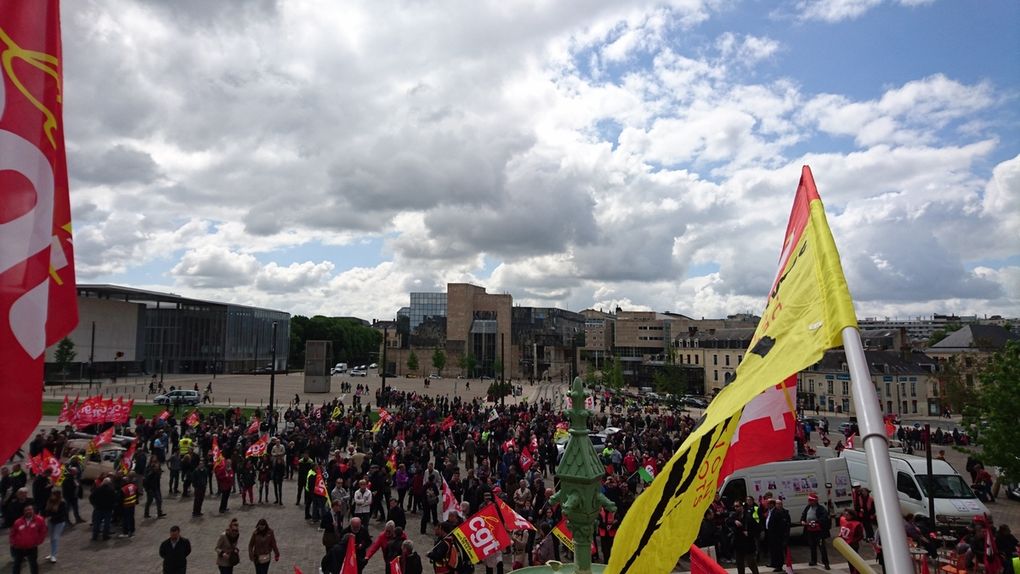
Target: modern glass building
x=147, y=331
x=425, y=306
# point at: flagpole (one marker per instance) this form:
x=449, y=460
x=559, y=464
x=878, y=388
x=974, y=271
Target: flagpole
x=876, y=446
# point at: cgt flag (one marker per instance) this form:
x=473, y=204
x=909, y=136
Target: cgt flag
x=806, y=309
x=562, y=531
x=482, y=535
x=38, y=299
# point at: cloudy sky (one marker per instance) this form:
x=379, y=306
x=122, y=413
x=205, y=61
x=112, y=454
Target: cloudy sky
x=330, y=157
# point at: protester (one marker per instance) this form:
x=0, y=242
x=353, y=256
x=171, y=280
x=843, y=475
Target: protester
x=777, y=534
x=175, y=551
x=743, y=528
x=816, y=522
x=362, y=541
x=27, y=533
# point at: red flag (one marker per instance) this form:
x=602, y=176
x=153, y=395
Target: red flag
x=766, y=430
x=164, y=415
x=482, y=535
x=562, y=531
x=788, y=566
x=253, y=428
x=450, y=504
x=127, y=459
x=217, y=454
x=65, y=412
x=395, y=566
x=319, y=488
x=527, y=461
x=192, y=419
x=511, y=443
x=38, y=300
x=511, y=519
x=297, y=570
x=447, y=423
x=350, y=565
x=258, y=448
x=105, y=437
x=701, y=563
x=890, y=425
x=850, y=442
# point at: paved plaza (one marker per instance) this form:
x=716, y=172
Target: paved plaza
x=299, y=541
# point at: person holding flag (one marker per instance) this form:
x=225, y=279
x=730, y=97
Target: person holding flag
x=409, y=561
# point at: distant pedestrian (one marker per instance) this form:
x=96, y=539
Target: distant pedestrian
x=27, y=533
x=225, y=482
x=175, y=551
x=198, y=477
x=262, y=547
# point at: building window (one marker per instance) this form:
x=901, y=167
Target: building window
x=739, y=358
x=830, y=387
x=696, y=359
x=913, y=391
x=913, y=406
x=727, y=357
x=715, y=359
x=715, y=375
x=688, y=359
x=888, y=389
x=846, y=388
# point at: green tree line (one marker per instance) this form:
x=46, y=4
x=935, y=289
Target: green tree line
x=353, y=342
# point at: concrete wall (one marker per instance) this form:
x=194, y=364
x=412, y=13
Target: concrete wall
x=116, y=331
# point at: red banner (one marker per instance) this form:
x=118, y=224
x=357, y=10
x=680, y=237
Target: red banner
x=257, y=448
x=105, y=437
x=43, y=461
x=38, y=300
x=319, y=488
x=350, y=565
x=395, y=566
x=482, y=535
x=193, y=419
x=527, y=461
x=253, y=428
x=95, y=411
x=447, y=423
x=511, y=519
x=701, y=563
x=217, y=454
x=127, y=459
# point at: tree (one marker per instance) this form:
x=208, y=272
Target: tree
x=64, y=354
x=438, y=360
x=992, y=419
x=612, y=374
x=467, y=364
x=958, y=395
x=670, y=379
x=412, y=362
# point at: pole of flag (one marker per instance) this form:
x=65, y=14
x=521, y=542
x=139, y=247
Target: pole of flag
x=876, y=446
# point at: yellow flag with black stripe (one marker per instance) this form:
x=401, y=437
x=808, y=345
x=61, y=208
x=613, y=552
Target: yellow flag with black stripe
x=807, y=308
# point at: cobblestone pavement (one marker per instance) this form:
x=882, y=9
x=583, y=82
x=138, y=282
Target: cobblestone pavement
x=300, y=541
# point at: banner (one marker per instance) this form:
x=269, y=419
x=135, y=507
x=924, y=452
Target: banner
x=95, y=411
x=526, y=460
x=105, y=437
x=384, y=416
x=217, y=454
x=395, y=566
x=38, y=299
x=319, y=487
x=701, y=563
x=192, y=420
x=128, y=456
x=253, y=428
x=257, y=448
x=350, y=565
x=450, y=504
x=44, y=461
x=164, y=415
x=769, y=422
x=511, y=519
x=562, y=531
x=482, y=535
x=807, y=308
x=447, y=423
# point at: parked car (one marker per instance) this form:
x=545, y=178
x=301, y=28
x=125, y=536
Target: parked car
x=696, y=402
x=373, y=366
x=179, y=397
x=435, y=376
x=97, y=463
x=359, y=372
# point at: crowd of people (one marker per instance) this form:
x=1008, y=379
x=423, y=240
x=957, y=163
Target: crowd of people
x=354, y=478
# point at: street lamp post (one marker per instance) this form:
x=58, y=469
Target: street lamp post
x=385, y=343
x=272, y=377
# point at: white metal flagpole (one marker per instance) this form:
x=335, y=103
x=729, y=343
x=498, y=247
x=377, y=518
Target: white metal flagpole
x=876, y=446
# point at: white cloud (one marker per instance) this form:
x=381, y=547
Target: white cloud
x=838, y=10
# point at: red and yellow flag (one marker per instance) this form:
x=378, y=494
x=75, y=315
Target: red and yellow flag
x=562, y=531
x=806, y=310
x=482, y=535
x=38, y=301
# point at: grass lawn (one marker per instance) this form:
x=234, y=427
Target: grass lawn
x=52, y=408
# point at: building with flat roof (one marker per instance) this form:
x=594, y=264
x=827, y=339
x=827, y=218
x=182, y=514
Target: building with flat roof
x=131, y=331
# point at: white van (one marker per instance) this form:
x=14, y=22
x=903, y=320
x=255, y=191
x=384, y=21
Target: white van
x=340, y=368
x=955, y=503
x=793, y=481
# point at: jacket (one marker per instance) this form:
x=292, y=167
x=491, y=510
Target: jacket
x=821, y=516
x=261, y=544
x=224, y=549
x=26, y=535
x=175, y=557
